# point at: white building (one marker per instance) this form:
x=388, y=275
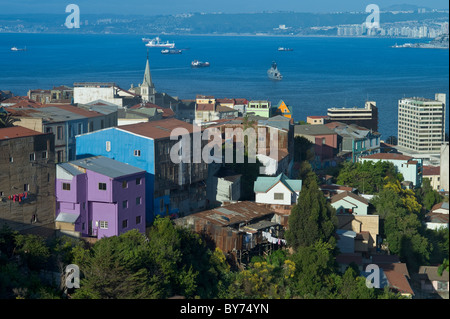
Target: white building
x=277, y=190
x=349, y=203
x=87, y=92
x=421, y=124
x=444, y=167
x=411, y=168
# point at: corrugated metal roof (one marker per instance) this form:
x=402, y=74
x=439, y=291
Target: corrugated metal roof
x=234, y=213
x=67, y=217
x=264, y=183
x=72, y=170
x=107, y=166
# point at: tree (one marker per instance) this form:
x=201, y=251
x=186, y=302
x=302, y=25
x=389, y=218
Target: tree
x=6, y=120
x=312, y=218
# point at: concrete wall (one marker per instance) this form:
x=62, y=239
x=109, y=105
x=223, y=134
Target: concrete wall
x=357, y=208
x=85, y=95
x=269, y=198
x=444, y=167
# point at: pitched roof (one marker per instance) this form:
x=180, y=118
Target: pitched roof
x=432, y=273
x=157, y=129
x=345, y=194
x=264, y=183
x=397, y=276
x=7, y=133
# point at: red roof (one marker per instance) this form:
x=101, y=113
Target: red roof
x=388, y=156
x=318, y=116
x=157, y=129
x=76, y=110
x=205, y=107
x=431, y=170
x=397, y=276
x=16, y=132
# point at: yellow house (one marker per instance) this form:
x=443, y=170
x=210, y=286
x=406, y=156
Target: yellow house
x=284, y=109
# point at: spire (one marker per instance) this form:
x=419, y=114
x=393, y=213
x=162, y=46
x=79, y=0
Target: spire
x=147, y=76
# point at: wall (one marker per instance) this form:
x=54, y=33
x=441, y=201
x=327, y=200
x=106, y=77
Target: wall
x=39, y=175
x=122, y=149
x=358, y=208
x=268, y=197
x=85, y=95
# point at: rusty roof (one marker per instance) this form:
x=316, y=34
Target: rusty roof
x=388, y=156
x=16, y=132
x=157, y=129
x=241, y=212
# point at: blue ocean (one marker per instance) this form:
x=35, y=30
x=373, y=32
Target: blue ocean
x=320, y=72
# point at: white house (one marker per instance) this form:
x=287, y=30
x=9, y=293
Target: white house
x=437, y=218
x=410, y=168
x=277, y=190
x=347, y=202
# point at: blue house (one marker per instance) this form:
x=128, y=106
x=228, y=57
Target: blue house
x=171, y=188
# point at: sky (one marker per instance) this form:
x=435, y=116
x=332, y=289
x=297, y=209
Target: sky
x=156, y=7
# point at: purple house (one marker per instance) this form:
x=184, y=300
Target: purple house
x=99, y=197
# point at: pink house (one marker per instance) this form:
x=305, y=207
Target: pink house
x=99, y=197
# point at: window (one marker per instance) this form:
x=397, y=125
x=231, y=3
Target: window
x=102, y=124
x=44, y=154
x=79, y=128
x=138, y=220
x=125, y=223
x=102, y=186
x=66, y=186
x=278, y=196
x=138, y=181
x=138, y=200
x=108, y=146
x=59, y=132
x=103, y=224
x=124, y=184
x=161, y=204
x=48, y=130
x=125, y=204
x=32, y=157
x=90, y=126
x=11, y=159
x=137, y=152
x=26, y=187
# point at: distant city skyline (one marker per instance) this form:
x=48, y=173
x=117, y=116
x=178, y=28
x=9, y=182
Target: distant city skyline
x=158, y=7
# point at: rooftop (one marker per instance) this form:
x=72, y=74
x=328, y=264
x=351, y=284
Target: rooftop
x=242, y=212
x=157, y=129
x=16, y=132
x=345, y=194
x=388, y=156
x=106, y=166
x=319, y=129
x=264, y=183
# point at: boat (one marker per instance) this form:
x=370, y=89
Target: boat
x=156, y=43
x=285, y=49
x=199, y=64
x=171, y=51
x=273, y=73
x=17, y=49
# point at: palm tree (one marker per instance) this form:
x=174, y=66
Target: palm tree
x=6, y=120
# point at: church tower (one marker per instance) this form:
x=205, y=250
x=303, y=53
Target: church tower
x=147, y=87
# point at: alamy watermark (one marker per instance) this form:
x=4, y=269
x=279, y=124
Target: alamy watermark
x=72, y=275
x=373, y=278
x=251, y=142
x=373, y=19
x=73, y=19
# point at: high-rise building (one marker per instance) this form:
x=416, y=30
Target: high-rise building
x=421, y=124
x=366, y=117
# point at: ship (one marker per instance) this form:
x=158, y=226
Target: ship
x=171, y=51
x=199, y=64
x=273, y=73
x=156, y=43
x=285, y=49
